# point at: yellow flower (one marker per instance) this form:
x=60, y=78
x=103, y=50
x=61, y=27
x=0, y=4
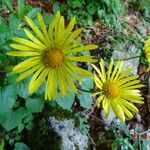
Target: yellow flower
x=52, y=56
x=147, y=49
x=117, y=89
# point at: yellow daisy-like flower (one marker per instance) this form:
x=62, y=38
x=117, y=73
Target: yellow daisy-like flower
x=147, y=51
x=117, y=89
x=51, y=53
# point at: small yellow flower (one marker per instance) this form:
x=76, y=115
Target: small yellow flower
x=52, y=56
x=147, y=51
x=117, y=89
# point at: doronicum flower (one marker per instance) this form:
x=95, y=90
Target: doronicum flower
x=117, y=90
x=51, y=56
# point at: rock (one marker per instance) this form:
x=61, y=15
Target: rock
x=71, y=138
x=133, y=63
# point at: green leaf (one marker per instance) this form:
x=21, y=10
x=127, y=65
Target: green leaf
x=21, y=146
x=65, y=102
x=85, y=99
x=13, y=22
x=9, y=5
x=56, y=7
x=3, y=26
x=35, y=105
x=33, y=12
x=22, y=88
x=21, y=4
x=8, y=96
x=11, y=119
x=88, y=83
x=20, y=127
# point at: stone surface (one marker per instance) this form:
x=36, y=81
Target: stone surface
x=132, y=63
x=71, y=138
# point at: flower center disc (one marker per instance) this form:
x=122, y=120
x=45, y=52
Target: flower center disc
x=111, y=90
x=54, y=58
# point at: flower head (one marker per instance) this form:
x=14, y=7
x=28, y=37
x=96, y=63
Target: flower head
x=117, y=89
x=51, y=56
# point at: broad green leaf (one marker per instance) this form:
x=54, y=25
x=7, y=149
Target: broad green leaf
x=65, y=102
x=11, y=119
x=8, y=96
x=9, y=5
x=21, y=146
x=35, y=105
x=85, y=99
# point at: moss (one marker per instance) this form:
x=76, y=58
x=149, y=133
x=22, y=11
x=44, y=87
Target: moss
x=59, y=113
x=41, y=137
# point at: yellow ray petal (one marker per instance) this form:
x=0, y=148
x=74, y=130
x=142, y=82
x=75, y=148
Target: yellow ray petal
x=99, y=73
x=98, y=101
x=126, y=111
x=27, y=62
x=43, y=27
x=60, y=29
x=37, y=79
x=51, y=86
x=103, y=72
x=27, y=73
x=71, y=37
x=84, y=48
x=34, y=77
x=68, y=29
x=79, y=70
x=115, y=70
x=124, y=74
x=24, y=48
x=72, y=74
x=52, y=26
x=98, y=82
x=71, y=84
x=129, y=105
x=118, y=111
x=21, y=53
x=34, y=39
x=27, y=43
x=36, y=30
x=75, y=44
x=110, y=69
x=62, y=82
x=106, y=105
x=127, y=79
x=81, y=58
x=128, y=84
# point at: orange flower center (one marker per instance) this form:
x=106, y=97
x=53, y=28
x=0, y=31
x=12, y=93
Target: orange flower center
x=54, y=58
x=111, y=90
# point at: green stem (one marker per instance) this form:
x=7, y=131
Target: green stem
x=98, y=58
x=128, y=58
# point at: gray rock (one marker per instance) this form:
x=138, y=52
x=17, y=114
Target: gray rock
x=132, y=63
x=71, y=138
